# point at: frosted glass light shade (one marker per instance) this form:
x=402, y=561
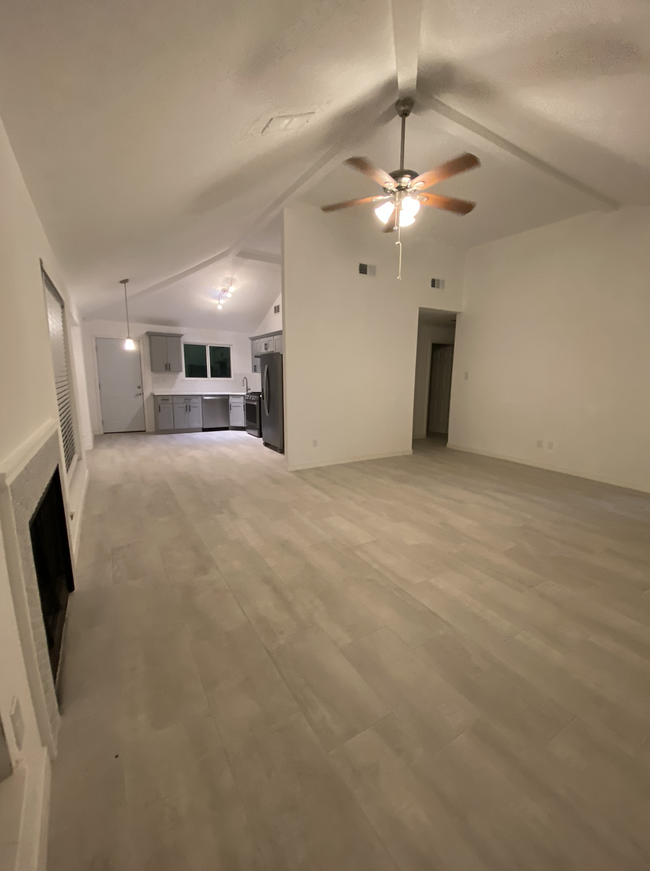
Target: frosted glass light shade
x=384, y=211
x=410, y=208
x=129, y=345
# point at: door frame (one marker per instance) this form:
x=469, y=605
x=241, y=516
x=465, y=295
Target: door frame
x=97, y=391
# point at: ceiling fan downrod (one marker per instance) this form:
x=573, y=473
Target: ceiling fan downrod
x=404, y=108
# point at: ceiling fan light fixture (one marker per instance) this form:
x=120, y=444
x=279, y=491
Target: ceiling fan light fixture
x=408, y=209
x=410, y=206
x=384, y=211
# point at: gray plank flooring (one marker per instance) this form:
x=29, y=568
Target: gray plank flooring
x=428, y=663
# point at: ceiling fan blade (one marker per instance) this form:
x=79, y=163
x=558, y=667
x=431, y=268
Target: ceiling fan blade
x=447, y=170
x=450, y=204
x=361, y=164
x=346, y=205
x=391, y=223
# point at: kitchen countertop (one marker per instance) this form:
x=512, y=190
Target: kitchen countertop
x=203, y=395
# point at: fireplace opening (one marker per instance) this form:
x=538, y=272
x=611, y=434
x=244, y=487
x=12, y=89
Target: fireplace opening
x=51, y=550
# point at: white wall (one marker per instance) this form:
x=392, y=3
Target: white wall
x=349, y=339
x=555, y=338
x=167, y=382
x=272, y=320
x=427, y=335
x=28, y=402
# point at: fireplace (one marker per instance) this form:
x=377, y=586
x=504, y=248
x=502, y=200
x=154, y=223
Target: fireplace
x=51, y=551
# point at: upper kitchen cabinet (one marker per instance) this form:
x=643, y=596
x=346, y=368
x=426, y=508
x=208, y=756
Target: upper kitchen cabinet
x=266, y=344
x=166, y=352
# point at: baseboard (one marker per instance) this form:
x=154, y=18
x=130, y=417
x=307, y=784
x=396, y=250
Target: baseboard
x=301, y=466
x=32, y=848
x=549, y=468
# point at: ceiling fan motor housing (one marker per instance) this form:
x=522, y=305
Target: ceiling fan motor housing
x=403, y=178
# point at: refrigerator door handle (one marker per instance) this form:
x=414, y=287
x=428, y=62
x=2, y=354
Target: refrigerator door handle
x=265, y=395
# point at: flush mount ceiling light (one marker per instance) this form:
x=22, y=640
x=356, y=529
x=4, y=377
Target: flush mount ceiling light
x=129, y=344
x=404, y=189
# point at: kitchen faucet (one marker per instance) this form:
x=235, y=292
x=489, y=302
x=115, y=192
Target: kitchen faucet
x=245, y=383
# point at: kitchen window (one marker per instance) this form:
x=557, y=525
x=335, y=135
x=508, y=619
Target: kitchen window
x=207, y=361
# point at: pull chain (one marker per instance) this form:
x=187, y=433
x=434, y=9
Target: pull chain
x=399, y=245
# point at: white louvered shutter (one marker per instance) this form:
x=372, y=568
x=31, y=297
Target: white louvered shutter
x=61, y=362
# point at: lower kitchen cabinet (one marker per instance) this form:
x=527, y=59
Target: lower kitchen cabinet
x=178, y=413
x=164, y=412
x=237, y=417
x=187, y=412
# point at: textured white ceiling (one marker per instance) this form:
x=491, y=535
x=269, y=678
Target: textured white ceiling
x=137, y=123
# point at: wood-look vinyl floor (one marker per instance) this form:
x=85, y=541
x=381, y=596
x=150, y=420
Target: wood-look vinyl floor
x=429, y=663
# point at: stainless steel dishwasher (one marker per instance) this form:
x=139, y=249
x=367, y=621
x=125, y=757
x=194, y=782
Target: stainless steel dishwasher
x=216, y=412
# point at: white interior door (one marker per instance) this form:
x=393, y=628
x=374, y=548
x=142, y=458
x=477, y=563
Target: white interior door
x=120, y=386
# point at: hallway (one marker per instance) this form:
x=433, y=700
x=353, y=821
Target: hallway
x=430, y=662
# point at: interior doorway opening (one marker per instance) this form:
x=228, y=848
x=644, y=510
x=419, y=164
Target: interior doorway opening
x=442, y=358
x=434, y=359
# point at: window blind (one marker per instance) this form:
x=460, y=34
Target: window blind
x=61, y=363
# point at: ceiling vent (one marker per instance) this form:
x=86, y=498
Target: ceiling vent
x=438, y=283
x=367, y=269
x=283, y=123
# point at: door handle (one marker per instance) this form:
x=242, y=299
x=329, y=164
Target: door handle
x=265, y=396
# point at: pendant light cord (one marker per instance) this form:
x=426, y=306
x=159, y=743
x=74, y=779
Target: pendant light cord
x=125, y=281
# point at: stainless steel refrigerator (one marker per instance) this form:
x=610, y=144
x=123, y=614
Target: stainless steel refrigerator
x=272, y=402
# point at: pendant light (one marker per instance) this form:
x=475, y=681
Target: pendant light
x=129, y=344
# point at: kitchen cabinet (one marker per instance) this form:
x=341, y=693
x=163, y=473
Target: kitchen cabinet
x=236, y=407
x=265, y=344
x=187, y=412
x=164, y=409
x=166, y=352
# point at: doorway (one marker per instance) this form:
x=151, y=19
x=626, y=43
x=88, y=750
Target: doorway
x=120, y=386
x=436, y=331
x=442, y=357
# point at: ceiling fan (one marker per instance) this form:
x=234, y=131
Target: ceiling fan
x=404, y=190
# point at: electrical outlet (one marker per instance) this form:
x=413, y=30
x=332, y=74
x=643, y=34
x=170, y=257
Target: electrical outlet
x=314, y=444
x=550, y=445
x=540, y=443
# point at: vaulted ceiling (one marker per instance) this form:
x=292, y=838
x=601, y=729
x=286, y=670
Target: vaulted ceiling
x=138, y=124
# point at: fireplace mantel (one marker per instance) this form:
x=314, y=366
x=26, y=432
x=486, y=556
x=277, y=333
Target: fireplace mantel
x=24, y=475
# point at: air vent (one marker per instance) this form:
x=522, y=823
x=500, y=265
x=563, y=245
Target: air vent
x=276, y=309
x=438, y=283
x=367, y=269
x=282, y=123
